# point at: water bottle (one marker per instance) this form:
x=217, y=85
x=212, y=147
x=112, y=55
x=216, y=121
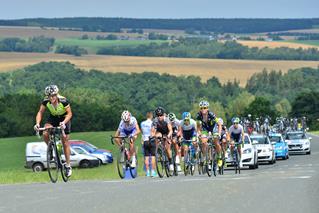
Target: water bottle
x=59, y=148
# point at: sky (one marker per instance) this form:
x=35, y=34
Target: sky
x=17, y=9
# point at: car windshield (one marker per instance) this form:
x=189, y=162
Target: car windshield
x=294, y=136
x=260, y=140
x=275, y=138
x=89, y=148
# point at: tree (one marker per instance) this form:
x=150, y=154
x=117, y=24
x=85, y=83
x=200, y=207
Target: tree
x=261, y=107
x=307, y=104
x=237, y=106
x=283, y=107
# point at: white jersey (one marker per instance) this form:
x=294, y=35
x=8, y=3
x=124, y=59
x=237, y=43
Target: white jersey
x=128, y=127
x=233, y=130
x=192, y=125
x=146, y=127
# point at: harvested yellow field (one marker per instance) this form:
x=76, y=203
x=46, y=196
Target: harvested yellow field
x=225, y=70
x=275, y=44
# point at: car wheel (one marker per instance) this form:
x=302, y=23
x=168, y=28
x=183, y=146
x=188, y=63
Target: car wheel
x=85, y=164
x=257, y=165
x=37, y=167
x=308, y=153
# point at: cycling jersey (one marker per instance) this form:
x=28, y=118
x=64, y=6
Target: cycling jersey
x=175, y=124
x=223, y=132
x=146, y=127
x=60, y=109
x=189, y=130
x=161, y=126
x=57, y=113
x=129, y=129
x=211, y=124
x=236, y=134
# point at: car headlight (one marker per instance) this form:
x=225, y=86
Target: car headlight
x=307, y=143
x=269, y=149
x=247, y=151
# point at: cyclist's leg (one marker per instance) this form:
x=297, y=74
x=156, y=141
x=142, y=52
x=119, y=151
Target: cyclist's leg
x=224, y=146
x=46, y=133
x=65, y=141
x=146, y=146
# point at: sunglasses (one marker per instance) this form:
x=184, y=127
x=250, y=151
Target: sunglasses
x=236, y=123
x=204, y=108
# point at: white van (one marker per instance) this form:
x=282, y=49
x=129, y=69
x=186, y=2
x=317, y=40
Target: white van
x=36, y=157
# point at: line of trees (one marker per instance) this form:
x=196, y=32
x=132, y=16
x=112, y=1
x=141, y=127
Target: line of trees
x=205, y=24
x=35, y=44
x=71, y=50
x=98, y=98
x=202, y=48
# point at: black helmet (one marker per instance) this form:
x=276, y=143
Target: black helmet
x=159, y=111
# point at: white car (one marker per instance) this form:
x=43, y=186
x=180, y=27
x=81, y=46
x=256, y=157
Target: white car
x=298, y=142
x=266, y=151
x=36, y=157
x=248, y=156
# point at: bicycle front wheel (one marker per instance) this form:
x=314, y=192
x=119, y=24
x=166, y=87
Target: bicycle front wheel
x=133, y=171
x=121, y=163
x=52, y=162
x=160, y=161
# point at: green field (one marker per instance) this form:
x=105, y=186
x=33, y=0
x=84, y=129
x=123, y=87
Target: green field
x=12, y=162
x=93, y=45
x=311, y=42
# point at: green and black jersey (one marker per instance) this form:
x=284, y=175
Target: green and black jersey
x=60, y=109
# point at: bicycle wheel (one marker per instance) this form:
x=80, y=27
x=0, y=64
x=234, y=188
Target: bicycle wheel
x=238, y=161
x=213, y=161
x=186, y=164
x=121, y=163
x=133, y=171
x=160, y=161
x=63, y=173
x=52, y=162
x=207, y=162
x=199, y=163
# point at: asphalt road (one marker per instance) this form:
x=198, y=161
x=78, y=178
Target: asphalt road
x=287, y=186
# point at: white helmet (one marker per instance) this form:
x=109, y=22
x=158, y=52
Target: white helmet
x=220, y=121
x=203, y=104
x=126, y=116
x=51, y=90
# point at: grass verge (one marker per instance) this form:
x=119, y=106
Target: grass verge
x=12, y=163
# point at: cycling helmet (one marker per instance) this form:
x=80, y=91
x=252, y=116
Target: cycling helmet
x=186, y=116
x=220, y=121
x=51, y=90
x=203, y=104
x=236, y=120
x=126, y=116
x=171, y=116
x=159, y=111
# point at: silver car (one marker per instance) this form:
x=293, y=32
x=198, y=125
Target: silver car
x=298, y=142
x=36, y=157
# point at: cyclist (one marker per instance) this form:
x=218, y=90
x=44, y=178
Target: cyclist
x=207, y=125
x=188, y=131
x=236, y=132
x=60, y=115
x=175, y=125
x=128, y=127
x=148, y=145
x=224, y=137
x=161, y=127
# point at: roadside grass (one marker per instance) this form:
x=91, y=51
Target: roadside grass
x=12, y=163
x=315, y=132
x=93, y=45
